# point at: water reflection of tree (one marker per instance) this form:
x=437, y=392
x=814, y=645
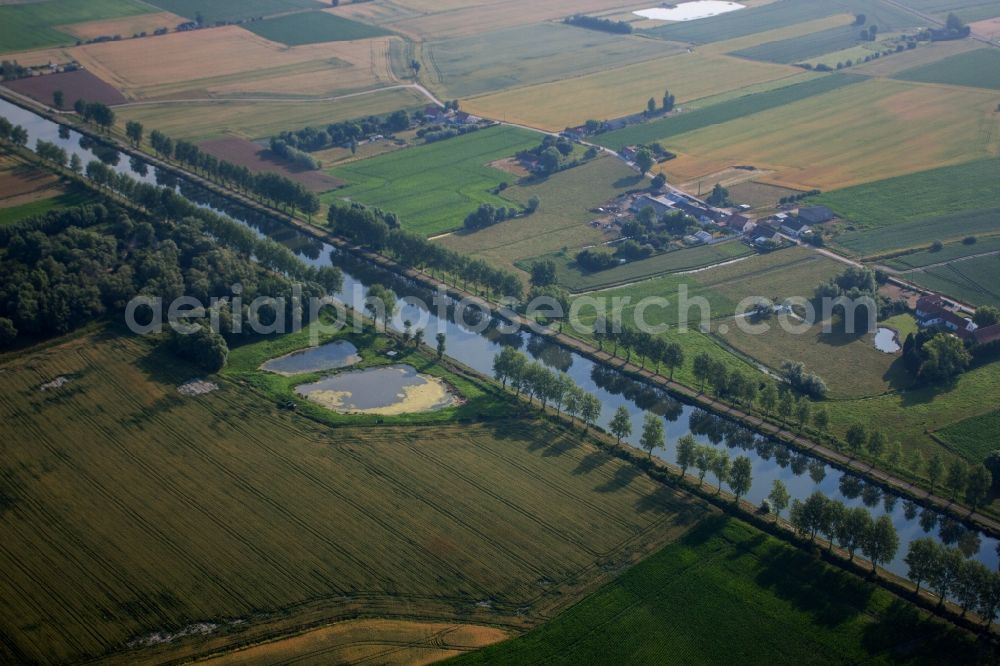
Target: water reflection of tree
x=138, y=166
x=928, y=520
x=799, y=464
x=850, y=486
x=871, y=495
x=910, y=509
x=552, y=355
x=817, y=471
x=782, y=455
x=889, y=502
x=645, y=397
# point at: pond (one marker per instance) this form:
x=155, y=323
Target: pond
x=801, y=473
x=886, y=340
x=689, y=11
x=331, y=356
x=387, y=391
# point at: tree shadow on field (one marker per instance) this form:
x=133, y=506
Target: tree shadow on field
x=628, y=181
x=559, y=447
x=905, y=634
x=590, y=462
x=621, y=478
x=829, y=596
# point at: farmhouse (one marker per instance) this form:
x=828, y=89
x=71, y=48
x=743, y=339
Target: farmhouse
x=816, y=214
x=987, y=334
x=932, y=312
x=660, y=205
x=795, y=227
x=740, y=223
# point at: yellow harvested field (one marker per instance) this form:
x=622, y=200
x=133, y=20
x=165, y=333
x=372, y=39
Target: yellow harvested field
x=778, y=34
x=625, y=90
x=258, y=119
x=440, y=20
x=381, y=641
x=38, y=57
x=230, y=61
x=990, y=28
x=126, y=27
x=867, y=131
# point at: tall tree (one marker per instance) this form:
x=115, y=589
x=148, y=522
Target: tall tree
x=853, y=529
x=855, y=438
x=653, y=436
x=721, y=467
x=955, y=480
x=133, y=130
x=779, y=497
x=881, y=541
x=441, y=342
x=935, y=468
x=921, y=559
x=621, y=424
x=686, y=451
x=590, y=409
x=741, y=477
x=977, y=488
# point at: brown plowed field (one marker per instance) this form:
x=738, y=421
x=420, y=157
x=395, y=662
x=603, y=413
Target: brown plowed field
x=80, y=84
x=256, y=158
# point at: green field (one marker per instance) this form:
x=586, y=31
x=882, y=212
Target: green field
x=729, y=594
x=801, y=49
x=34, y=25
x=912, y=416
x=971, y=281
x=949, y=252
x=779, y=15
x=74, y=197
x=232, y=10
x=975, y=437
x=776, y=275
x=562, y=219
x=155, y=511
x=920, y=233
x=740, y=107
x=908, y=211
x=569, y=275
x=312, y=28
x=470, y=66
x=979, y=68
x=434, y=186
x=926, y=194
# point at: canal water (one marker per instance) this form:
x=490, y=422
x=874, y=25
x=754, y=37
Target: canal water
x=476, y=348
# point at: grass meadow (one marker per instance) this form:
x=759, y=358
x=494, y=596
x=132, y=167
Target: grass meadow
x=979, y=68
x=36, y=25
x=724, y=111
x=156, y=511
x=312, y=28
x=232, y=10
x=562, y=219
x=569, y=275
x=728, y=593
x=433, y=187
x=915, y=417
